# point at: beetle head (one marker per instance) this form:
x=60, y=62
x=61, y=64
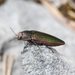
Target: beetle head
x=20, y=36
x=23, y=36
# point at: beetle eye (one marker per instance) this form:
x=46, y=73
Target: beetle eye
x=20, y=36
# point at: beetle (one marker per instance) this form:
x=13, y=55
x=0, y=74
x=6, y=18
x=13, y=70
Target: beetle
x=40, y=38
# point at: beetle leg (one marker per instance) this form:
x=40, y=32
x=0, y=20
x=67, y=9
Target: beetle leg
x=25, y=47
x=52, y=49
x=26, y=44
x=36, y=44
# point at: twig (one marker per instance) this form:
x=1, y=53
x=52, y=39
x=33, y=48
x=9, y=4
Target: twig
x=10, y=65
x=58, y=15
x=71, y=13
x=72, y=3
x=4, y=63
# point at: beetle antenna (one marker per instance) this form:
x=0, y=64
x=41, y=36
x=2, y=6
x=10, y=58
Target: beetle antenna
x=13, y=31
x=12, y=39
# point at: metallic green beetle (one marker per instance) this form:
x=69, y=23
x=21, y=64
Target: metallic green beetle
x=39, y=38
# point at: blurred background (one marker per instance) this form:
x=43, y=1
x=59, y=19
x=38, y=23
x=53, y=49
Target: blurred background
x=55, y=17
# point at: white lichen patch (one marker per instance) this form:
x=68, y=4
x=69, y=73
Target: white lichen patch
x=42, y=61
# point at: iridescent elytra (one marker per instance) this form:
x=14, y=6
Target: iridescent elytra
x=40, y=38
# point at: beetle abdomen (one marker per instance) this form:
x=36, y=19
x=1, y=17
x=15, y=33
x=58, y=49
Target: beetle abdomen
x=46, y=39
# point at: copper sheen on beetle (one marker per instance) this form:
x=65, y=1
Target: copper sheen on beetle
x=40, y=38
